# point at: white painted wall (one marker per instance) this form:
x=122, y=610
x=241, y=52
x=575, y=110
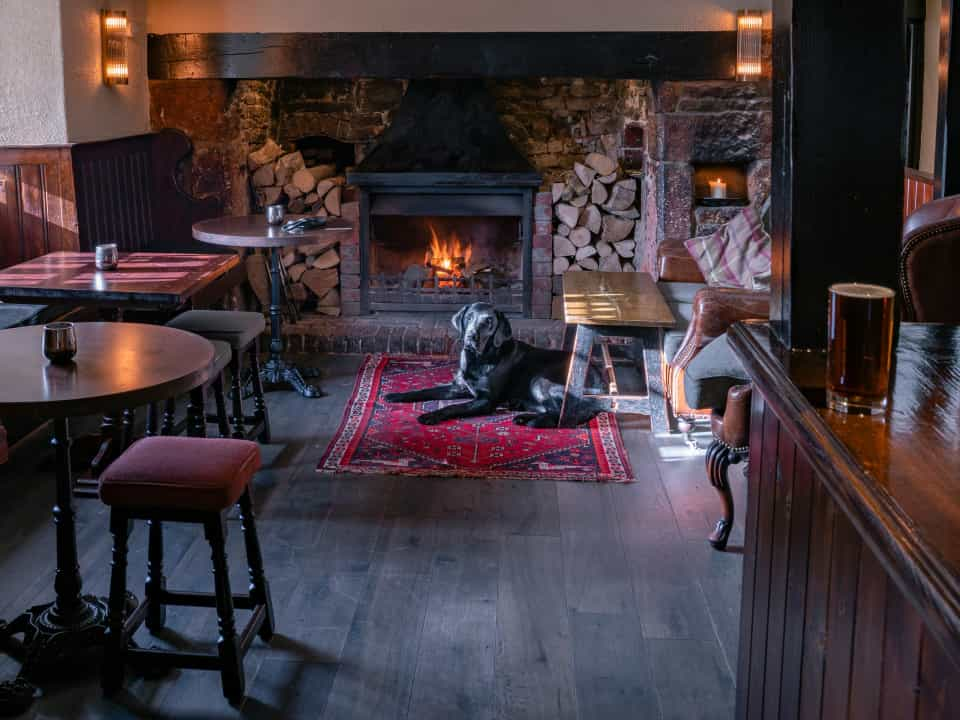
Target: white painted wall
x=931, y=64
x=178, y=16
x=31, y=73
x=95, y=111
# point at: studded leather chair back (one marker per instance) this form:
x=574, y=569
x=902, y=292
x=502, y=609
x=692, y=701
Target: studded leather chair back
x=929, y=262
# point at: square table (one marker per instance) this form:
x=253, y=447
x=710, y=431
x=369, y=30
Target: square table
x=617, y=304
x=142, y=279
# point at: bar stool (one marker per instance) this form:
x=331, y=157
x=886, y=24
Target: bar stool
x=240, y=330
x=192, y=480
x=196, y=421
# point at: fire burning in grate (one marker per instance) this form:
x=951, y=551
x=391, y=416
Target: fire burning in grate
x=447, y=257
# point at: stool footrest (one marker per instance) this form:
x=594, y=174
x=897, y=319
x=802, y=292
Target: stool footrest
x=172, y=658
x=252, y=628
x=206, y=600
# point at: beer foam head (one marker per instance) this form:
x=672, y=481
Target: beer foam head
x=862, y=291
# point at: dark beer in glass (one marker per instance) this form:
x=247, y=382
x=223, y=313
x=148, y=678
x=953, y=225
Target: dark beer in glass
x=859, y=345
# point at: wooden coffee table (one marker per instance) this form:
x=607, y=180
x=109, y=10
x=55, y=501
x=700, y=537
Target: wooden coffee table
x=252, y=231
x=117, y=366
x=616, y=304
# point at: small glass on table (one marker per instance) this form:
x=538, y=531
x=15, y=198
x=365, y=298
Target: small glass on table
x=859, y=347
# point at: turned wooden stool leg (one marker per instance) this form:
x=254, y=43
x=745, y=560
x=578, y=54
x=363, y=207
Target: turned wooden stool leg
x=223, y=421
x=228, y=645
x=236, y=396
x=196, y=416
x=169, y=423
x=259, y=404
x=115, y=641
x=259, y=587
x=718, y=463
x=156, y=583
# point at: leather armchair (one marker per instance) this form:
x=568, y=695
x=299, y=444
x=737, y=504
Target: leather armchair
x=931, y=249
x=714, y=310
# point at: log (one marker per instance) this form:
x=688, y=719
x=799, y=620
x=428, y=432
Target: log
x=289, y=258
x=579, y=201
x=292, y=191
x=310, y=198
x=296, y=271
x=323, y=187
x=333, y=311
x=608, y=179
x=329, y=259
x=610, y=263
x=299, y=292
x=574, y=268
x=625, y=248
x=556, y=190
x=331, y=202
x=304, y=180
x=588, y=263
x=591, y=219
x=580, y=236
x=564, y=229
x=560, y=265
x=585, y=252
x=604, y=249
x=623, y=195
x=321, y=281
x=268, y=195
x=598, y=193
x=584, y=174
x=258, y=275
x=601, y=163
x=331, y=299
x=296, y=206
x=577, y=185
x=615, y=229
x=263, y=177
x=568, y=214
x=631, y=213
x=319, y=246
x=267, y=154
x=287, y=165
x=628, y=267
x=567, y=193
x=562, y=246
x=322, y=172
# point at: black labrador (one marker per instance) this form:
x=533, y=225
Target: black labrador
x=496, y=370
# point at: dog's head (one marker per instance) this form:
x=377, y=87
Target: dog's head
x=481, y=326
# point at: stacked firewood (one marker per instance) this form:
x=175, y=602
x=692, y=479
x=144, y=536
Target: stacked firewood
x=312, y=269
x=595, y=217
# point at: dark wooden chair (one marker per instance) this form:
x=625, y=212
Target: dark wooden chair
x=130, y=191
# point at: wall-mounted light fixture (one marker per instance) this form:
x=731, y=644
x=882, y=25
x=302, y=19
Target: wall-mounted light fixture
x=113, y=47
x=749, y=40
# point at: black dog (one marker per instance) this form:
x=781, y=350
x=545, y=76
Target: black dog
x=496, y=370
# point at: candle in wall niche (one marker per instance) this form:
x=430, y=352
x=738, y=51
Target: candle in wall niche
x=718, y=188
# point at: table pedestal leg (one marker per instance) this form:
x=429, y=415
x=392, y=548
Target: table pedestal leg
x=275, y=371
x=61, y=635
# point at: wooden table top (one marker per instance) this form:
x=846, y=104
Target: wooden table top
x=141, y=278
x=896, y=475
x=614, y=298
x=252, y=231
x=117, y=366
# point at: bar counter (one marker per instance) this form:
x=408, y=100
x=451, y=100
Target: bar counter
x=851, y=578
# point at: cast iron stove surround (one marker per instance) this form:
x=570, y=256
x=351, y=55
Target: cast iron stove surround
x=445, y=154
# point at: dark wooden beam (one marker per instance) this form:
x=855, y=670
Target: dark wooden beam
x=641, y=55
x=947, y=167
x=839, y=84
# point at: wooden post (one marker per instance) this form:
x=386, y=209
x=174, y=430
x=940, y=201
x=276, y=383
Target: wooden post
x=947, y=169
x=839, y=84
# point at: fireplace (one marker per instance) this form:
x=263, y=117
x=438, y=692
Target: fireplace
x=446, y=207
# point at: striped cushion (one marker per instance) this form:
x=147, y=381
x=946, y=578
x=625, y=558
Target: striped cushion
x=736, y=255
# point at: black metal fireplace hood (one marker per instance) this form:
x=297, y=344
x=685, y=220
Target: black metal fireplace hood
x=445, y=133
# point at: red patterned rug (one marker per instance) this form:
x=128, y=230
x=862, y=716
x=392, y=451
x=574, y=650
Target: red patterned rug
x=379, y=437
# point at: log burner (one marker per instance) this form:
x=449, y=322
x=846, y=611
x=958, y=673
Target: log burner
x=446, y=206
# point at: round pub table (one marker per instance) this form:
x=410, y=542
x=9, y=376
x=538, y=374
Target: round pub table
x=117, y=366
x=252, y=231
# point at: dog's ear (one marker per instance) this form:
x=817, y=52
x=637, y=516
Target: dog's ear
x=504, y=331
x=459, y=320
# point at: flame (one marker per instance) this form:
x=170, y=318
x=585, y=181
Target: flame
x=448, y=255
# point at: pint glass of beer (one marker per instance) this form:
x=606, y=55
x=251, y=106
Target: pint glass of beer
x=859, y=344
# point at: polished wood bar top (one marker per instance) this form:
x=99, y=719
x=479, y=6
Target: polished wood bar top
x=614, y=298
x=117, y=366
x=141, y=278
x=252, y=231
x=897, y=475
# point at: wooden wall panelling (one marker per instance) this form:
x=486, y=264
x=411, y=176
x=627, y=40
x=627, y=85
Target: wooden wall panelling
x=918, y=189
x=37, y=202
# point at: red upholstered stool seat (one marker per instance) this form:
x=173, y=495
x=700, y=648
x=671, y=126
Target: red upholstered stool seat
x=180, y=473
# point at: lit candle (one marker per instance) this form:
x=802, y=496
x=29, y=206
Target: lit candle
x=718, y=188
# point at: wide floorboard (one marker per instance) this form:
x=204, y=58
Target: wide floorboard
x=426, y=598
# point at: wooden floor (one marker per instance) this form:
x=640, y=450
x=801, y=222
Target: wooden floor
x=428, y=599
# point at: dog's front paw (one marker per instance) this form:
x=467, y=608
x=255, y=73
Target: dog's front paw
x=430, y=418
x=393, y=397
